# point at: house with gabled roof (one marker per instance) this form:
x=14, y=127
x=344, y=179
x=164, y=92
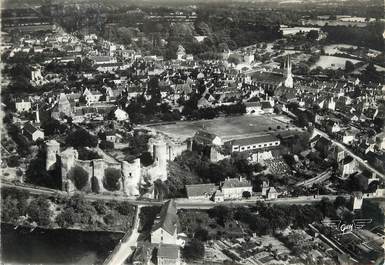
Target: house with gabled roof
x=32, y=132
x=92, y=96
x=233, y=188
x=23, y=105
x=203, y=103
x=206, y=138
x=253, y=108
x=164, y=230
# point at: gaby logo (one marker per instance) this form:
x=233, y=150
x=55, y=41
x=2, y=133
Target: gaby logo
x=346, y=227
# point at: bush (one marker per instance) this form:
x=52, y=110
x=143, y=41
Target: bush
x=112, y=179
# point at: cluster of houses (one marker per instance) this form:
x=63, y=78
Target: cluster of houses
x=229, y=189
x=165, y=237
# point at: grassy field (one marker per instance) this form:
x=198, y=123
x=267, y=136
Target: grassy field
x=227, y=127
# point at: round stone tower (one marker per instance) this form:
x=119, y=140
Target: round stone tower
x=160, y=159
x=53, y=149
x=131, y=173
x=67, y=159
x=160, y=154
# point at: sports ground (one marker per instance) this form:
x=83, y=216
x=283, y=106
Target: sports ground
x=227, y=128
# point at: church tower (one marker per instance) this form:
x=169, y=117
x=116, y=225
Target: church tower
x=289, y=83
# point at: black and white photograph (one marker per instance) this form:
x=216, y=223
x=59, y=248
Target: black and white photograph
x=192, y=132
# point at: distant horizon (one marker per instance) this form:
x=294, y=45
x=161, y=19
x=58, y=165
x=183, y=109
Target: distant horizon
x=40, y=2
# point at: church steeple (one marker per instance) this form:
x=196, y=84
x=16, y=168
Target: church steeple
x=288, y=66
x=37, y=115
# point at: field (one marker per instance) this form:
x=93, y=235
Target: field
x=332, y=62
x=227, y=127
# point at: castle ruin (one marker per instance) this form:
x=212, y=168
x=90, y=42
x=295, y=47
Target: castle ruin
x=131, y=173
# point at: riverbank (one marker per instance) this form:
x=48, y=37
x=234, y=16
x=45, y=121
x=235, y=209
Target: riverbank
x=32, y=227
x=53, y=246
x=75, y=212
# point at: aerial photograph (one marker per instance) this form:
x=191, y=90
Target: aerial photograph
x=192, y=132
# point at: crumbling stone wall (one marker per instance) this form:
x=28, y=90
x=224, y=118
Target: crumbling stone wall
x=95, y=169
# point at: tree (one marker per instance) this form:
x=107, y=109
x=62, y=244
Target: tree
x=52, y=126
x=202, y=29
x=194, y=250
x=85, y=154
x=37, y=174
x=201, y=234
x=85, y=213
x=100, y=207
x=327, y=207
x=79, y=176
x=125, y=208
x=340, y=202
x=146, y=159
x=10, y=211
x=81, y=138
x=39, y=211
x=312, y=35
x=233, y=59
x=221, y=213
x=13, y=161
x=110, y=219
x=370, y=74
x=246, y=194
x=112, y=178
x=106, y=145
x=67, y=218
x=147, y=216
x=349, y=66
x=358, y=183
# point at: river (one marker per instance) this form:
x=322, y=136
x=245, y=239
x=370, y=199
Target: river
x=60, y=246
